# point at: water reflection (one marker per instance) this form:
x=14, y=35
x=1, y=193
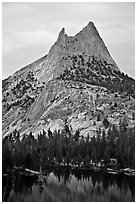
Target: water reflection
x=65, y=185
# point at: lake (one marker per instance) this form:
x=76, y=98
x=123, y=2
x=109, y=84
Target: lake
x=64, y=185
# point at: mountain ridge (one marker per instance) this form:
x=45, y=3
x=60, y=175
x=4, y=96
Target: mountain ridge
x=66, y=83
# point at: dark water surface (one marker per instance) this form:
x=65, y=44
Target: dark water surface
x=65, y=185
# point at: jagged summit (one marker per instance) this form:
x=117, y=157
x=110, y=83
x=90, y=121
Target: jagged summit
x=89, y=28
x=87, y=42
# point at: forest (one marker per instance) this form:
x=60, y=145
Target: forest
x=64, y=147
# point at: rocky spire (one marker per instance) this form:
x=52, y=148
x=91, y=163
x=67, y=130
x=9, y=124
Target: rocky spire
x=87, y=41
x=61, y=34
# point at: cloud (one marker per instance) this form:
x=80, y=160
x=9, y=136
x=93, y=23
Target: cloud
x=35, y=37
x=6, y=48
x=9, y=46
x=15, y=9
x=24, y=39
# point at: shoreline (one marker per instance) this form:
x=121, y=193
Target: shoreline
x=30, y=172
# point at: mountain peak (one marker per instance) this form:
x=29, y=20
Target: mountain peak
x=61, y=33
x=90, y=29
x=87, y=41
x=90, y=24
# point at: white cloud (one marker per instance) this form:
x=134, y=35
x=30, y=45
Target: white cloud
x=9, y=46
x=6, y=48
x=35, y=37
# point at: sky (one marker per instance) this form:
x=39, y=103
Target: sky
x=30, y=29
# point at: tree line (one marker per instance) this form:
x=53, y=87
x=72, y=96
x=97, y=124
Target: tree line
x=62, y=146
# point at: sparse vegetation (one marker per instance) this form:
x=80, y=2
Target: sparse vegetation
x=93, y=73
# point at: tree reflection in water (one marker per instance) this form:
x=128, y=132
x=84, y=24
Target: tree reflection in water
x=66, y=185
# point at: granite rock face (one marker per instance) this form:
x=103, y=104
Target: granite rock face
x=77, y=81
